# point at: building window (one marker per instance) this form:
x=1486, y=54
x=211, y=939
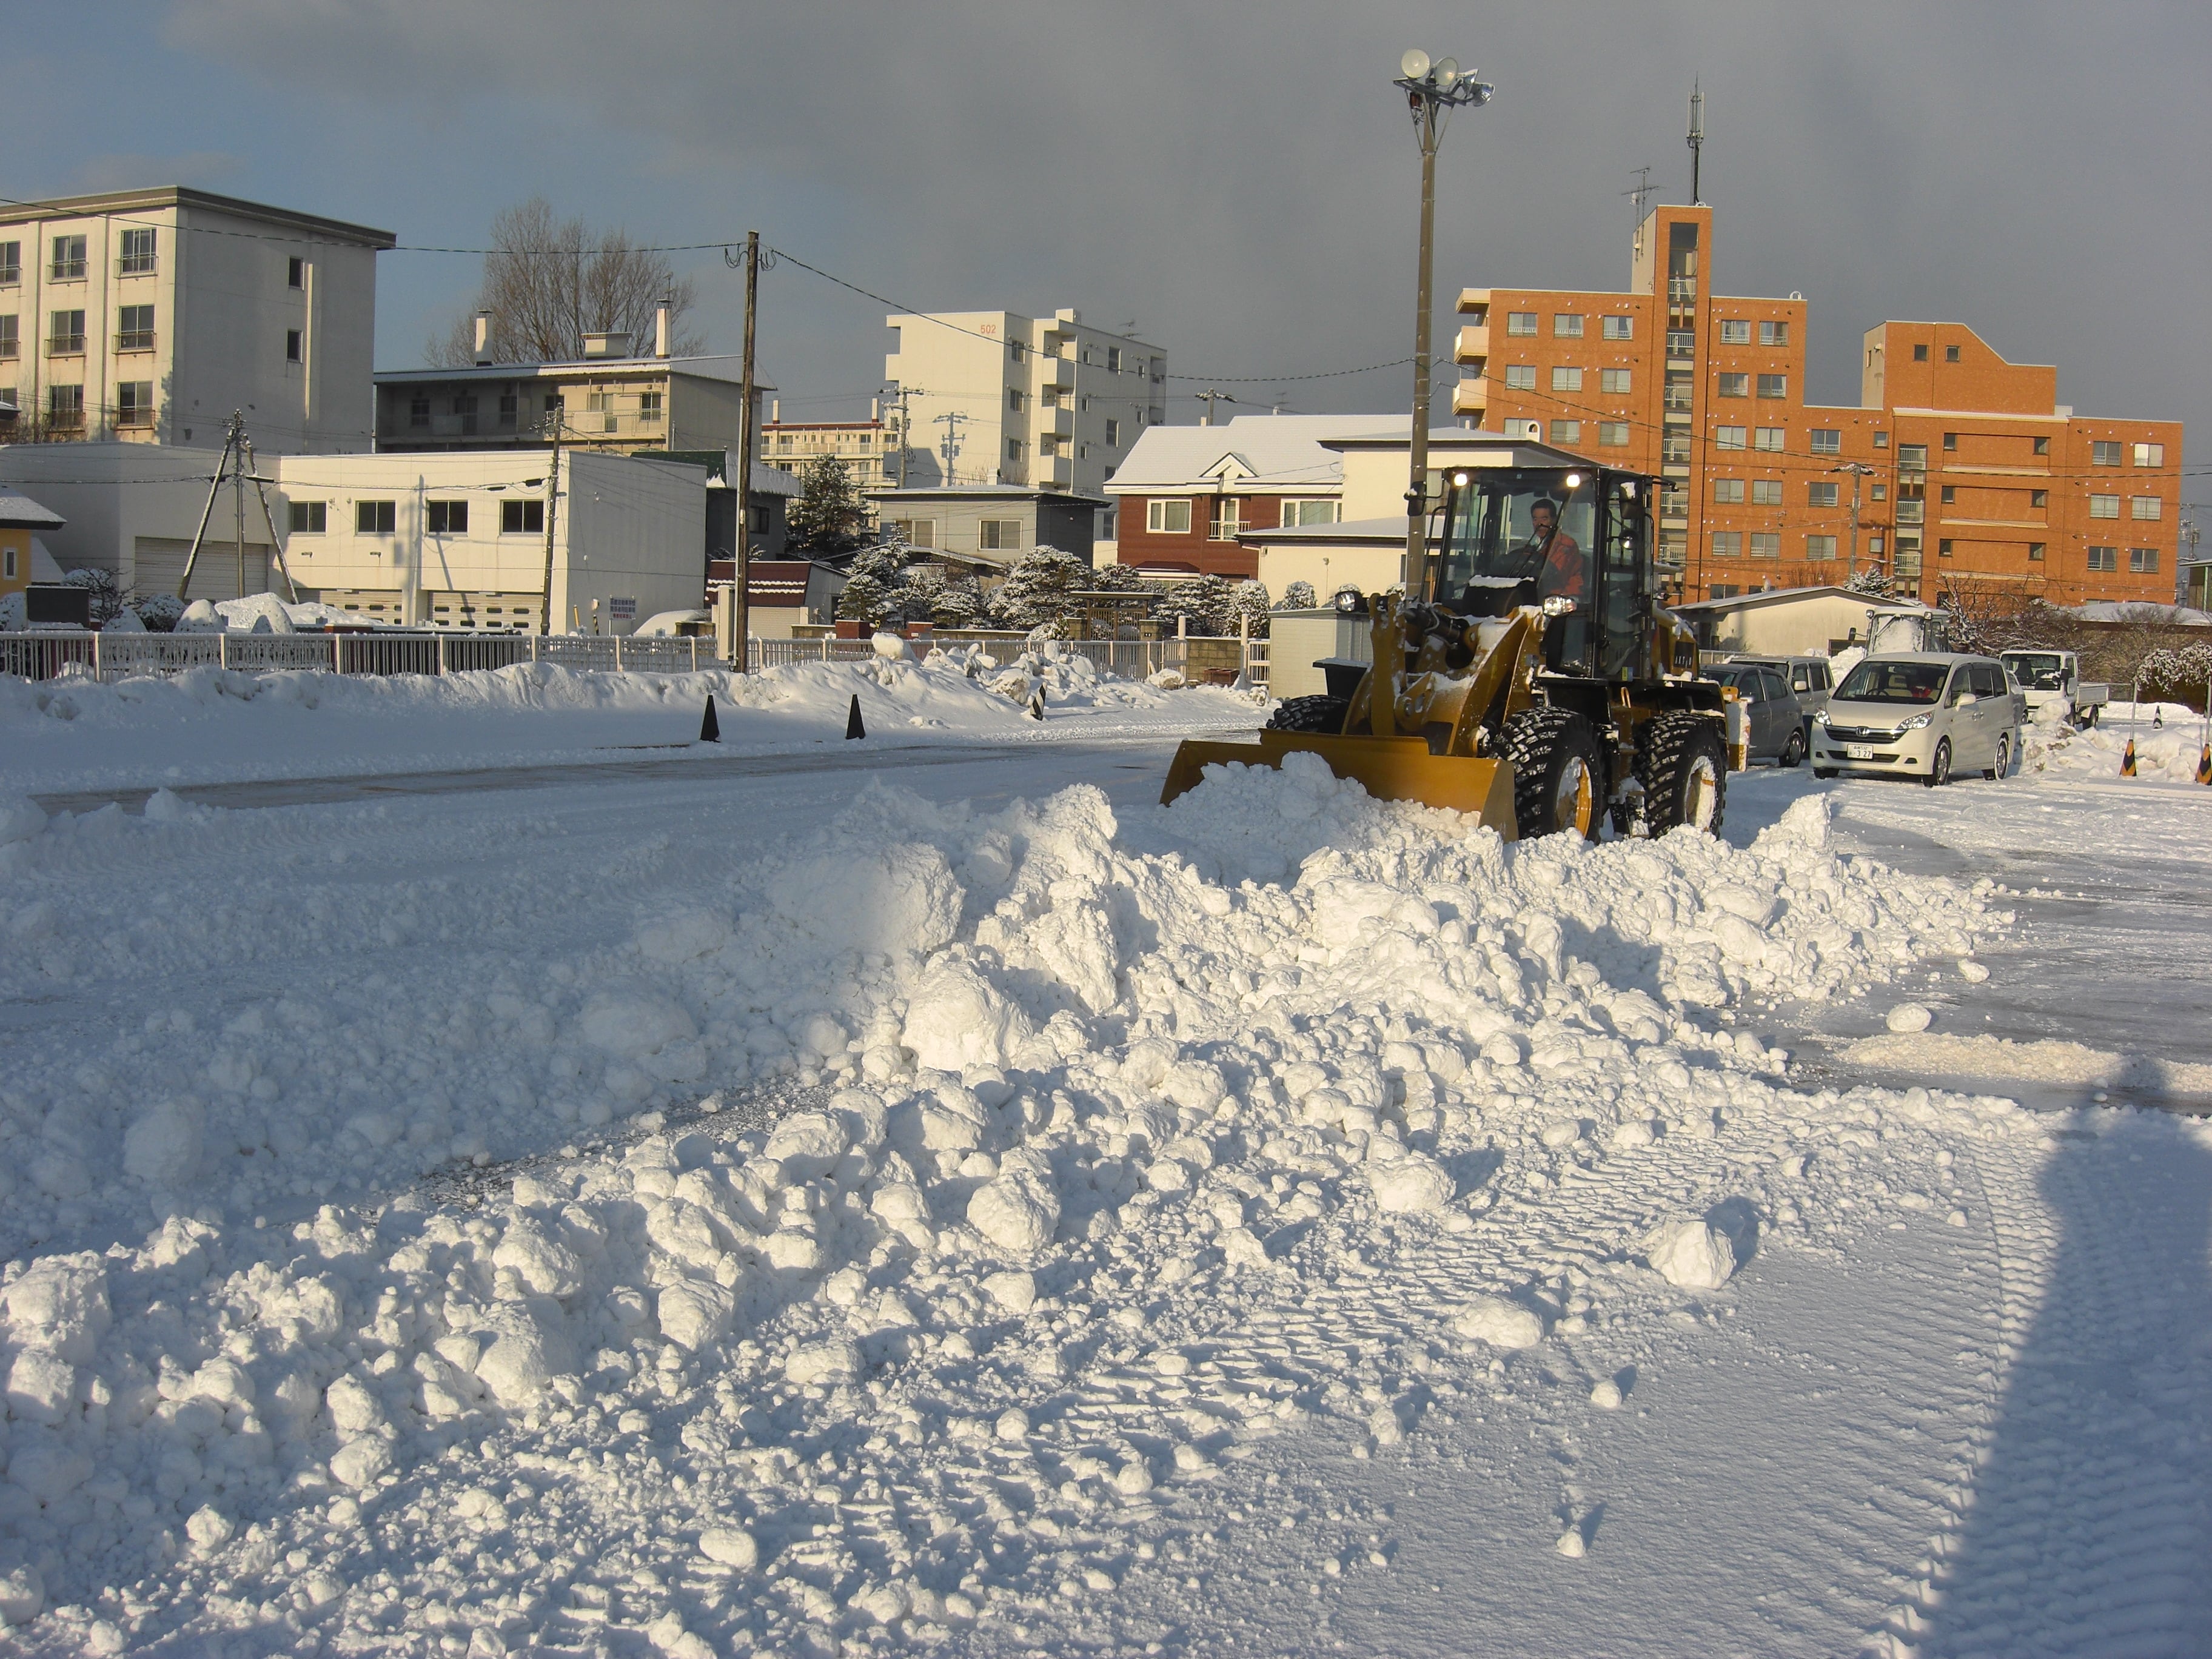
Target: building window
x=1950, y=495
x=1943, y=547
x=1920, y=353
x=1774, y=334
x=1774, y=386
x=2144, y=507
x=1827, y=443
x=295, y=345
x=1048, y=446
x=68, y=258
x=296, y=272
x=649, y=406
x=11, y=343
x=137, y=258
x=1880, y=492
x=1912, y=458
x=309, y=518
x=601, y=403
x=1613, y=435
x=1113, y=360
x=783, y=442
x=1298, y=513
x=65, y=405
x=375, y=518
x=1728, y=491
x=418, y=410
x=1735, y=331
x=1001, y=535
x=1820, y=547
x=1951, y=441
x=1727, y=544
x=507, y=409
x=447, y=518
x=11, y=262
x=2035, y=552
x=1567, y=326
x=1015, y=449
x=2104, y=558
x=1675, y=449
x=1773, y=438
x=1619, y=328
x=1723, y=590
x=1730, y=437
x=134, y=403
x=522, y=518
x=2104, y=506
x=1734, y=386
x=1566, y=380
x=1616, y=380
x=1766, y=492
x=1113, y=435
x=1521, y=377
x=1566, y=433
x=916, y=533
x=1014, y=399
x=2150, y=454
x=134, y=328
x=1168, y=518
x=1874, y=546
x=1950, y=354
x=1881, y=441
x=2105, y=455
x=2143, y=560
x=1822, y=495
x=65, y=334
x=1224, y=519
x=1520, y=322
x=2043, y=445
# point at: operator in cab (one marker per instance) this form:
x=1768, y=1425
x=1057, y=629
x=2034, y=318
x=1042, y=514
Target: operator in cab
x=1552, y=557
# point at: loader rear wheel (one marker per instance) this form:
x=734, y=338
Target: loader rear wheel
x=1558, y=781
x=1684, y=772
x=1324, y=714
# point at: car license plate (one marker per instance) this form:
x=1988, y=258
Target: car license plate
x=1858, y=751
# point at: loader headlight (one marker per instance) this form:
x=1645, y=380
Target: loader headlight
x=1558, y=605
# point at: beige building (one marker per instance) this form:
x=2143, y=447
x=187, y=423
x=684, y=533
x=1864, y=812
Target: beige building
x=869, y=448
x=1045, y=403
x=430, y=540
x=150, y=315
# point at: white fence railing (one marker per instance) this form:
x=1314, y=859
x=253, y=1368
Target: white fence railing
x=43, y=656
x=46, y=655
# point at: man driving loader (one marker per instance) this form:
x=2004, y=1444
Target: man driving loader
x=1556, y=563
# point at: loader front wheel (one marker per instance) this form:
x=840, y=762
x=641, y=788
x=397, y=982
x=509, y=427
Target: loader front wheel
x=1324, y=714
x=1558, y=781
x=1684, y=772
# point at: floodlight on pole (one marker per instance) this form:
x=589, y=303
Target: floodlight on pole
x=1433, y=89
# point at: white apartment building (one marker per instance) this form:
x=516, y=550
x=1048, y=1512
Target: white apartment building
x=993, y=397
x=451, y=540
x=149, y=316
x=869, y=448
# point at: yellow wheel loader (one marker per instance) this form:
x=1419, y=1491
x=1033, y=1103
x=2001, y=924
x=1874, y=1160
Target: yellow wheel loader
x=1534, y=678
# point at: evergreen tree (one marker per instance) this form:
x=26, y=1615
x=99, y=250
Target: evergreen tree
x=1039, y=589
x=1207, y=604
x=825, y=520
x=864, y=599
x=1873, y=581
x=1249, y=602
x=1298, y=596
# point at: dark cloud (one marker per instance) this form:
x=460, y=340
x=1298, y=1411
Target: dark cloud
x=1239, y=179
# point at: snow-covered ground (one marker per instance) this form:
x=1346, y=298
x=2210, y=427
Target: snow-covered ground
x=213, y=726
x=989, y=1213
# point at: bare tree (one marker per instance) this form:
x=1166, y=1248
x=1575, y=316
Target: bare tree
x=550, y=282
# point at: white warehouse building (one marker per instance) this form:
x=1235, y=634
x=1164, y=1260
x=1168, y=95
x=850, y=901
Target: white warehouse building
x=451, y=540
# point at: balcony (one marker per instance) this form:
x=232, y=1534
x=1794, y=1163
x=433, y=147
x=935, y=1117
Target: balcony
x=1057, y=374
x=1680, y=399
x=1683, y=344
x=131, y=416
x=65, y=270
x=65, y=420
x=135, y=339
x=1470, y=397
x=1675, y=449
x=1473, y=346
x=66, y=345
x=1912, y=512
x=1473, y=302
x=134, y=264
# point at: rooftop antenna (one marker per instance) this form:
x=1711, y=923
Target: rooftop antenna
x=1696, y=139
x=1642, y=192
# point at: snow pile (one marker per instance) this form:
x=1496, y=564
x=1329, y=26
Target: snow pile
x=1067, y=1098
x=2167, y=752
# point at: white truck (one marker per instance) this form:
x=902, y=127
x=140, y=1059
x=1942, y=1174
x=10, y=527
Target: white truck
x=2048, y=677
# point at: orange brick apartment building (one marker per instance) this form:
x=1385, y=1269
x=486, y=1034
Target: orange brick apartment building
x=1974, y=470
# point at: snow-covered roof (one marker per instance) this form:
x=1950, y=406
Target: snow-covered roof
x=1265, y=453
x=1799, y=595
x=17, y=509
x=1352, y=532
x=2139, y=611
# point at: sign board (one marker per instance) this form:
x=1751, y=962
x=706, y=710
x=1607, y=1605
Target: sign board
x=622, y=609
x=59, y=606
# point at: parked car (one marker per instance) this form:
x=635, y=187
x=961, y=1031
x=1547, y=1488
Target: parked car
x=1926, y=714
x=2047, y=676
x=1808, y=677
x=1774, y=720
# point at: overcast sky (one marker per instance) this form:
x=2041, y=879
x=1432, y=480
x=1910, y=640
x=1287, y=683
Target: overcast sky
x=1238, y=179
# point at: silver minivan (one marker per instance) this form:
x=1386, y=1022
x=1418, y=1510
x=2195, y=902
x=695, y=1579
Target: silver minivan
x=1925, y=713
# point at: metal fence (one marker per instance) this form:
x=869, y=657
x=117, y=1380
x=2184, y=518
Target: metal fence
x=48, y=654
x=45, y=655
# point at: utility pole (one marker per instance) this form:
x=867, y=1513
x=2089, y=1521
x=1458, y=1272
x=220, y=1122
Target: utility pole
x=555, y=420
x=234, y=437
x=1697, y=138
x=238, y=491
x=1209, y=396
x=741, y=571
x=1432, y=91
x=951, y=421
x=1858, y=470
x=905, y=425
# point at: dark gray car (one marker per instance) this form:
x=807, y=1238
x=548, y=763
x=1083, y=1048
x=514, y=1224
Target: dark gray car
x=1773, y=719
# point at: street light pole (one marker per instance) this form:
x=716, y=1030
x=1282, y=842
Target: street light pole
x=1432, y=91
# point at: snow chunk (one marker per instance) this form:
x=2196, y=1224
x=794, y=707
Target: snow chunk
x=634, y=1022
x=1908, y=1016
x=693, y=1314
x=21, y=818
x=1692, y=1255
x=834, y=1361
x=730, y=1546
x=1500, y=1323
x=1410, y=1185
x=1019, y=1211
x=955, y=1018
x=60, y=1305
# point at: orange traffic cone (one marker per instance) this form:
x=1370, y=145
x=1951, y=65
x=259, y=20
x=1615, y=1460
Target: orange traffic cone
x=2127, y=760
x=2204, y=765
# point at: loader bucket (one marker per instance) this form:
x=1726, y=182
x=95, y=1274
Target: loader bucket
x=1388, y=768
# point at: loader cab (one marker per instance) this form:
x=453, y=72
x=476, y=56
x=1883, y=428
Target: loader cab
x=1575, y=541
